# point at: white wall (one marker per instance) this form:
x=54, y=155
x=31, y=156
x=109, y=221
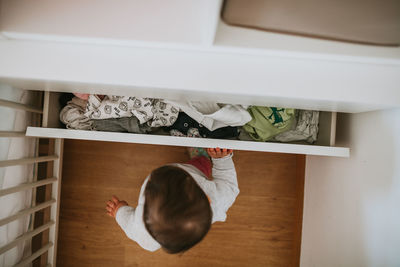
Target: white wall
x=352, y=206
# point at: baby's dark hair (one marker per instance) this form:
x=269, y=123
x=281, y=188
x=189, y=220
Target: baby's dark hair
x=177, y=212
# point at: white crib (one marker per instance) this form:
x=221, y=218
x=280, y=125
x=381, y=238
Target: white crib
x=18, y=204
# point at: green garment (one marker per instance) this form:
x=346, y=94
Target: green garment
x=268, y=122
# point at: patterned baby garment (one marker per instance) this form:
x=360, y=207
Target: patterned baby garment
x=267, y=122
x=192, y=132
x=72, y=115
x=154, y=112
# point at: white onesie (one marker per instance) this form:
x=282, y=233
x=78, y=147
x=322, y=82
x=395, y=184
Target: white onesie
x=222, y=192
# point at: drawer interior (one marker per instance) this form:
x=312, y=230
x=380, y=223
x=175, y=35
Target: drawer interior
x=325, y=144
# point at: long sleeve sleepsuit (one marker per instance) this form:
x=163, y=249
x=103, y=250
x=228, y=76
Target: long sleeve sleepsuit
x=222, y=192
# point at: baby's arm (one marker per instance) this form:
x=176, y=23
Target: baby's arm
x=224, y=175
x=126, y=218
x=113, y=205
x=123, y=214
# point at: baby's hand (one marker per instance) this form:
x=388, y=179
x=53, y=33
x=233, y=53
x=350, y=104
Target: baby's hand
x=217, y=153
x=113, y=205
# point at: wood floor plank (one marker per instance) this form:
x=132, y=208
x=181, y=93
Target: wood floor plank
x=263, y=227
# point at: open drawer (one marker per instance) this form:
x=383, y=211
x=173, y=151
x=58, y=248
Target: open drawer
x=324, y=146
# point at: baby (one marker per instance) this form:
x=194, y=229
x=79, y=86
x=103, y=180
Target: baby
x=179, y=202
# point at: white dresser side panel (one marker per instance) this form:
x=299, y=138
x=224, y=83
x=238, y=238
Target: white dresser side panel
x=351, y=206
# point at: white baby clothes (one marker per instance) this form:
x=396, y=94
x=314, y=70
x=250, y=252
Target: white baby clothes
x=153, y=111
x=222, y=192
x=212, y=115
x=306, y=128
x=73, y=115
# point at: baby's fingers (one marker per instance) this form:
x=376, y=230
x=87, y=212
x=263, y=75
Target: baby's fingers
x=218, y=152
x=109, y=209
x=225, y=152
x=115, y=199
x=111, y=204
x=211, y=152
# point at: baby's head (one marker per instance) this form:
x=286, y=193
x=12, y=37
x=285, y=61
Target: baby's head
x=177, y=212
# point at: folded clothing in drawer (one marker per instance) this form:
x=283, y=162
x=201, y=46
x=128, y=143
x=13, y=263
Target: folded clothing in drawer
x=213, y=115
x=187, y=126
x=298, y=139
x=154, y=112
x=92, y=112
x=188, y=119
x=282, y=125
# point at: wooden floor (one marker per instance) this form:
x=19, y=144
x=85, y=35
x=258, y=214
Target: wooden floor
x=263, y=227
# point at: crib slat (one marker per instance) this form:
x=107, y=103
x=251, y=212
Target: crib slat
x=10, y=104
x=26, y=186
x=12, y=134
x=26, y=212
x=34, y=255
x=55, y=194
x=13, y=162
x=26, y=236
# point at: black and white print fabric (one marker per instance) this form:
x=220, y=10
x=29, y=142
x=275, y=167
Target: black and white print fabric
x=154, y=112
